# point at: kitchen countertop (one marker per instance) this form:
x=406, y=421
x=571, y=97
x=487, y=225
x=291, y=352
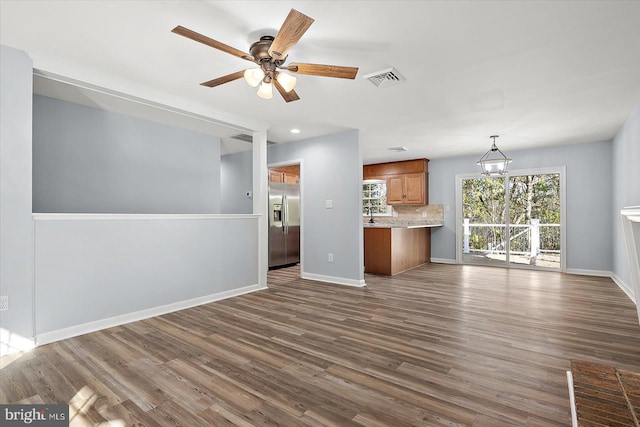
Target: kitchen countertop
x=402, y=224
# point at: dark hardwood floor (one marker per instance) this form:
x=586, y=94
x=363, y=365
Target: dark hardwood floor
x=439, y=345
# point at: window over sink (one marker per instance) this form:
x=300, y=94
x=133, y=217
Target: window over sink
x=374, y=198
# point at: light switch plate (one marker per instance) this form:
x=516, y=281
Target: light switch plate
x=328, y=204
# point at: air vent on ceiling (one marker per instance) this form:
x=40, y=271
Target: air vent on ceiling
x=386, y=77
x=398, y=149
x=248, y=138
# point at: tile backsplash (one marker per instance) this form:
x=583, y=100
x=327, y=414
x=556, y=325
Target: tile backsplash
x=414, y=213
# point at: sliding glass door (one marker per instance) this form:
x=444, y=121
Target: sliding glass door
x=484, y=221
x=511, y=220
x=534, y=218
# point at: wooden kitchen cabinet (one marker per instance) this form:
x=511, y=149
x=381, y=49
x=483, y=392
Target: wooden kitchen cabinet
x=415, y=189
x=287, y=174
x=406, y=180
x=395, y=189
x=391, y=251
x=407, y=189
x=275, y=176
x=291, y=179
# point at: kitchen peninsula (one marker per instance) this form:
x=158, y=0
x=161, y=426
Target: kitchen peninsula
x=391, y=248
x=396, y=243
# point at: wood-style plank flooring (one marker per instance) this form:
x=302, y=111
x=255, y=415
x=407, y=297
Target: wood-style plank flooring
x=439, y=345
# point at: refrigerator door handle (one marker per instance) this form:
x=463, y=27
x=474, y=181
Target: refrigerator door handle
x=285, y=215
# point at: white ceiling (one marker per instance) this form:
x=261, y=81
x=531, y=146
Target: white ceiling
x=535, y=72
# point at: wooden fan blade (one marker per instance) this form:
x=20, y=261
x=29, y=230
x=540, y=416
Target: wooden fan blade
x=288, y=96
x=293, y=27
x=224, y=79
x=324, y=70
x=185, y=32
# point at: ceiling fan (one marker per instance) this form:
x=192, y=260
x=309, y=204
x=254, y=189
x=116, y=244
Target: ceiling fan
x=270, y=54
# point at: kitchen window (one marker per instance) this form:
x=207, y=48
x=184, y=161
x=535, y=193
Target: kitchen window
x=374, y=198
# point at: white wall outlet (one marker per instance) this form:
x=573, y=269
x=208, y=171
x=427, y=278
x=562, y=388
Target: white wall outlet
x=248, y=193
x=330, y=257
x=328, y=204
x=424, y=214
x=448, y=208
x=4, y=302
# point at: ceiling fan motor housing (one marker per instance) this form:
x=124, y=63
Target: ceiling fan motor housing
x=260, y=51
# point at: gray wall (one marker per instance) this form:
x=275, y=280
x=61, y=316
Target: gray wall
x=236, y=177
x=626, y=187
x=16, y=258
x=87, y=160
x=89, y=270
x=331, y=170
x=588, y=184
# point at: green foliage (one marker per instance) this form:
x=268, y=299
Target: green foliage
x=483, y=200
x=530, y=197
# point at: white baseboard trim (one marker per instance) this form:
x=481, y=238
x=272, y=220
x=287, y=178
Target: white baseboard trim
x=583, y=272
x=622, y=285
x=443, y=261
x=332, y=279
x=600, y=273
x=85, y=328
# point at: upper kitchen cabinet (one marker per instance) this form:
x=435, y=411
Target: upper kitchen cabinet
x=407, y=189
x=287, y=174
x=275, y=176
x=406, y=181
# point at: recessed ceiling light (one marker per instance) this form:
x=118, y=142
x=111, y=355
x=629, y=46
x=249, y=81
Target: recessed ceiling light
x=295, y=130
x=398, y=149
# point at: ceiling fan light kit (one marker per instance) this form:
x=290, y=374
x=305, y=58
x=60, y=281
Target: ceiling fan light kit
x=494, y=162
x=270, y=54
x=287, y=81
x=253, y=76
x=265, y=91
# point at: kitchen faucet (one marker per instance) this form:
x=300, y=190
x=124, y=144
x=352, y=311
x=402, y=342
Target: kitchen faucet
x=370, y=214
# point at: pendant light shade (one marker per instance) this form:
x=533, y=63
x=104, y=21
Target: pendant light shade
x=287, y=81
x=494, y=162
x=253, y=76
x=265, y=90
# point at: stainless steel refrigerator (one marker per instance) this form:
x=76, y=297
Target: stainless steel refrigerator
x=284, y=224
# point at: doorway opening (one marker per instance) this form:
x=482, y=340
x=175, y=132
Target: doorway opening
x=516, y=220
x=284, y=213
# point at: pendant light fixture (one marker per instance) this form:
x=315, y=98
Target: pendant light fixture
x=494, y=162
